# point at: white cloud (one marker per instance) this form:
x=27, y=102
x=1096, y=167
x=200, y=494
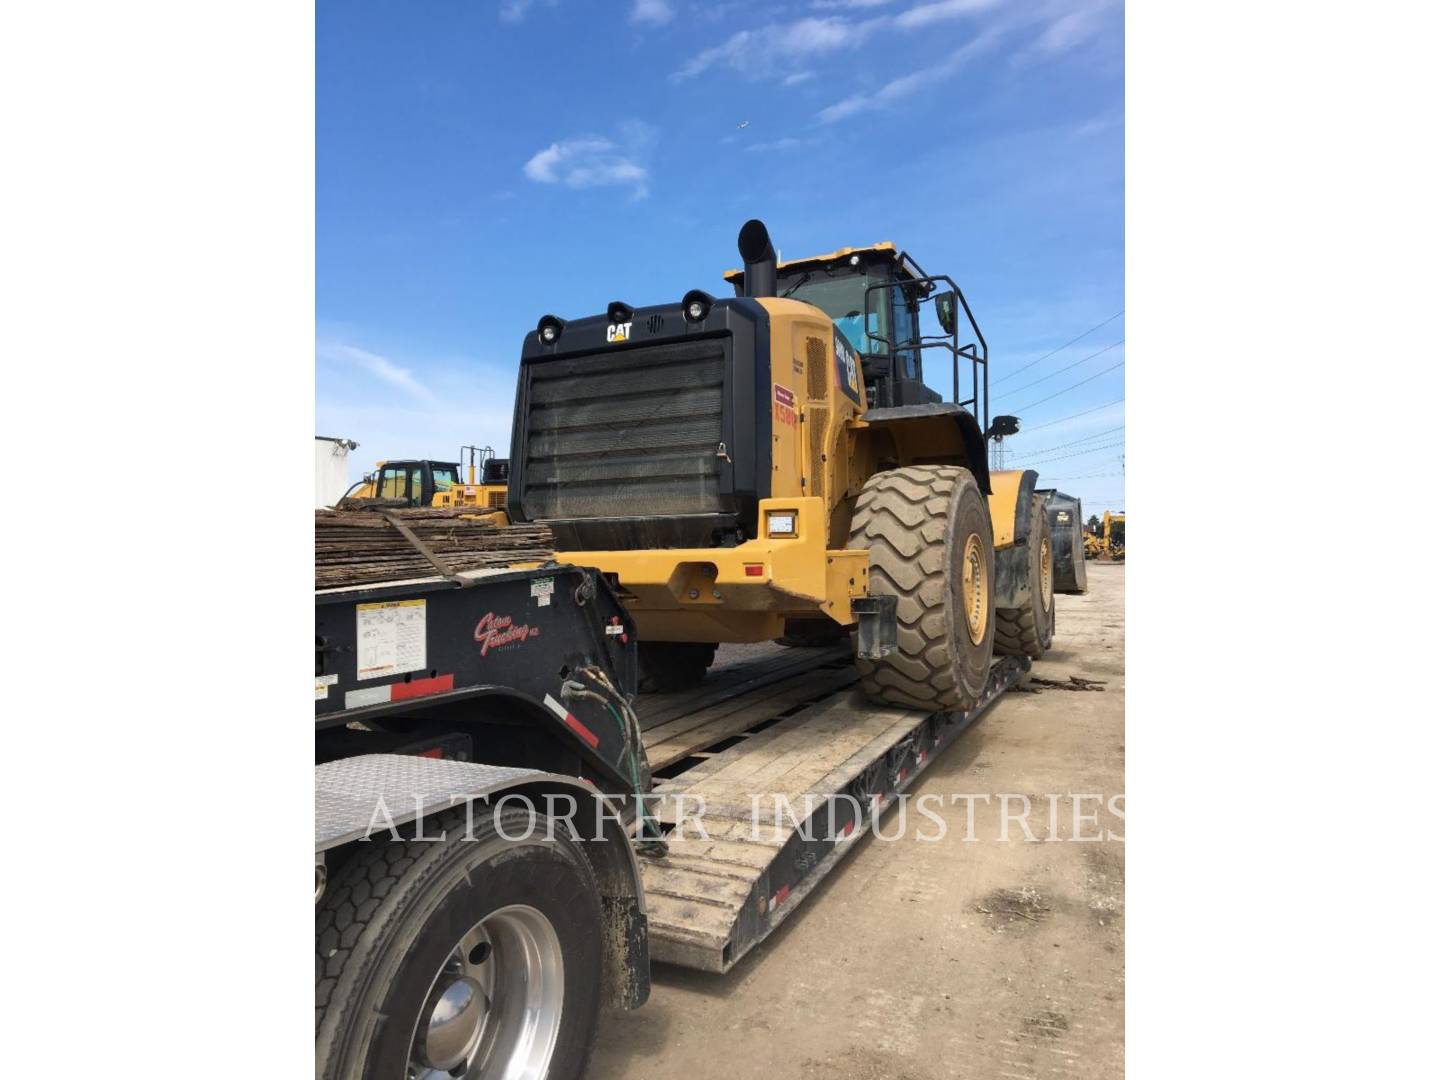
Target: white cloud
x=939, y=10
x=596, y=161
x=514, y=11
x=1069, y=30
x=798, y=78
x=848, y=5
x=380, y=367
x=898, y=89
x=652, y=12
x=759, y=53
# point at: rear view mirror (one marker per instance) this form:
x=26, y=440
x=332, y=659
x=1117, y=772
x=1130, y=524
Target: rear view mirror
x=945, y=311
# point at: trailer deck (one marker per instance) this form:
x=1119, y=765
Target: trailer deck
x=789, y=724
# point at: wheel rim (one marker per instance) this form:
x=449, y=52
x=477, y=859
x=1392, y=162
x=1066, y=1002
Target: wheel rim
x=1047, y=587
x=974, y=588
x=493, y=1009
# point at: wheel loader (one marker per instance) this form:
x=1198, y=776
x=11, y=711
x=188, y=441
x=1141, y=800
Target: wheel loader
x=774, y=464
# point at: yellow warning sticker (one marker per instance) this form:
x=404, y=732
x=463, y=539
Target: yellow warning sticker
x=390, y=638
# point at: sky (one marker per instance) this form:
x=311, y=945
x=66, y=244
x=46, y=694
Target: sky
x=480, y=163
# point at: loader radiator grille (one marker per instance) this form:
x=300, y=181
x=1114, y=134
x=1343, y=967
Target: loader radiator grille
x=632, y=433
x=817, y=369
x=815, y=419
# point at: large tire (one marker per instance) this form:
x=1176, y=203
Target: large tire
x=397, y=910
x=1028, y=630
x=667, y=667
x=927, y=528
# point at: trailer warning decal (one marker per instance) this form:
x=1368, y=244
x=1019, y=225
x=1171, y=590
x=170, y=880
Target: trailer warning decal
x=568, y=719
x=390, y=638
x=400, y=691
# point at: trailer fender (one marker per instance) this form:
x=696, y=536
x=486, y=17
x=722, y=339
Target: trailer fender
x=1011, y=505
x=941, y=433
x=348, y=793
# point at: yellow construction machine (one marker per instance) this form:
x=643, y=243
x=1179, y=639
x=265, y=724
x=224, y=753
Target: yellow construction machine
x=758, y=466
x=1107, y=542
x=439, y=483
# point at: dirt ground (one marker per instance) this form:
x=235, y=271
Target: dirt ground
x=924, y=960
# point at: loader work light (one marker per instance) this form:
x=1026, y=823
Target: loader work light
x=696, y=305
x=549, y=329
x=620, y=312
x=780, y=523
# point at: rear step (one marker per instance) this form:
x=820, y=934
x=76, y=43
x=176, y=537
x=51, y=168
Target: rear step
x=711, y=901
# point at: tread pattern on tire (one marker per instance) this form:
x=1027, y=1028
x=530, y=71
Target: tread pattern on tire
x=1017, y=632
x=901, y=516
x=359, y=889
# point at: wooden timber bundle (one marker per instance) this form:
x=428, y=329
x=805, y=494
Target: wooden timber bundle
x=363, y=546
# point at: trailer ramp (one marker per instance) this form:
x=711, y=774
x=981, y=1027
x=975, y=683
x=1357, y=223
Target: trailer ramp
x=714, y=897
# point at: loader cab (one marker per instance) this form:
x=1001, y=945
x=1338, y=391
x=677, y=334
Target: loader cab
x=876, y=296
x=417, y=482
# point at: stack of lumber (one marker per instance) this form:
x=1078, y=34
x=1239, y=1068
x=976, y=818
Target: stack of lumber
x=361, y=547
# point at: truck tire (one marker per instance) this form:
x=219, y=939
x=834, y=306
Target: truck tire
x=1028, y=630
x=436, y=957
x=927, y=528
x=667, y=667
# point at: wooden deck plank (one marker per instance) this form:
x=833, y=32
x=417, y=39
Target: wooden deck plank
x=741, y=677
x=684, y=743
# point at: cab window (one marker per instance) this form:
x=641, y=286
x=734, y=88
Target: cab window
x=903, y=318
x=393, y=484
x=842, y=297
x=445, y=477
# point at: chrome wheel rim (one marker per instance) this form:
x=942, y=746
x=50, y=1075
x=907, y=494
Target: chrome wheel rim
x=493, y=1009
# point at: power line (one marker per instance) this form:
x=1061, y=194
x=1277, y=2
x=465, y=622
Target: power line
x=1073, y=442
x=1072, y=416
x=1072, y=341
x=1067, y=389
x=1074, y=453
x=1087, y=476
x=1061, y=371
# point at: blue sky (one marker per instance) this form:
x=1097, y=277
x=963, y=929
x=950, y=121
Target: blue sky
x=481, y=163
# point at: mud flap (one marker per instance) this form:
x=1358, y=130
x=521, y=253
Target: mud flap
x=877, y=630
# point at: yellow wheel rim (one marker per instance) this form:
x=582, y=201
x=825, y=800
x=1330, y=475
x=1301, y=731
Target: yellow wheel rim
x=1047, y=587
x=974, y=589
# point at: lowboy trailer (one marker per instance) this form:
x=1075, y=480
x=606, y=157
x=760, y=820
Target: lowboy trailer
x=482, y=886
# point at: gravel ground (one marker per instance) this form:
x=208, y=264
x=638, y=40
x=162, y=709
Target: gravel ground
x=923, y=960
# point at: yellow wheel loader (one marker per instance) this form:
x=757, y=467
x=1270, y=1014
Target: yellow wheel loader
x=752, y=467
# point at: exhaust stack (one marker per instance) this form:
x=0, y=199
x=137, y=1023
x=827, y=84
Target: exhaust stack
x=759, y=256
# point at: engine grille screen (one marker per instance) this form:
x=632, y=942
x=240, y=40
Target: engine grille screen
x=626, y=434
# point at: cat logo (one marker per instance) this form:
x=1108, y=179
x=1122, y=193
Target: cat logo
x=617, y=331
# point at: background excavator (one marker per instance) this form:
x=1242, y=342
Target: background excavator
x=422, y=482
